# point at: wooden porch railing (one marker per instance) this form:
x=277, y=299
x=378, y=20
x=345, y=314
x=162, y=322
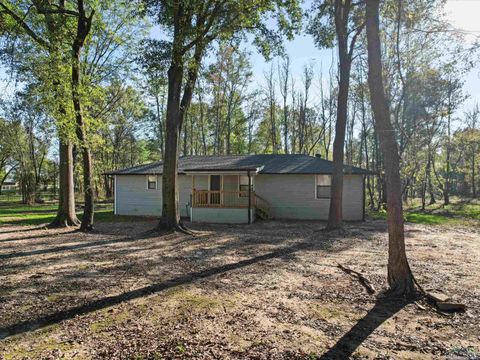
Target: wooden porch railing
x=222, y=199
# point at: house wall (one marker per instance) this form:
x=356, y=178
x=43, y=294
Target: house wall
x=133, y=197
x=290, y=196
x=294, y=197
x=222, y=215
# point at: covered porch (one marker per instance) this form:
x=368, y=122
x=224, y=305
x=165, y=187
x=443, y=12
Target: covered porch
x=223, y=196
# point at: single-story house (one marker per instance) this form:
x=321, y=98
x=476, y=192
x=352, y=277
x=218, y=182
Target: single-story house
x=238, y=189
x=10, y=185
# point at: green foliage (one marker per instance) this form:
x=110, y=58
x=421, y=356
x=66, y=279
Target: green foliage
x=459, y=212
x=322, y=24
x=202, y=22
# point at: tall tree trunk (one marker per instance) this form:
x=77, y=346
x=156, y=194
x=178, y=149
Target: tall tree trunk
x=474, y=186
x=284, y=91
x=160, y=124
x=446, y=185
x=176, y=110
x=428, y=174
x=335, y=216
x=83, y=29
x=185, y=137
x=66, y=215
x=424, y=194
x=400, y=277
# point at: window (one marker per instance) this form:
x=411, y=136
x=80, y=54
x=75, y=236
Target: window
x=151, y=182
x=324, y=184
x=243, y=184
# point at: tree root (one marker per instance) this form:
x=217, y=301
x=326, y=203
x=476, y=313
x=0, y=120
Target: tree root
x=362, y=279
x=182, y=228
x=86, y=228
x=170, y=228
x=63, y=222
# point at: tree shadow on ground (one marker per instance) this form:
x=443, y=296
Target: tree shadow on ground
x=84, y=245
x=21, y=230
x=48, y=235
x=384, y=309
x=41, y=322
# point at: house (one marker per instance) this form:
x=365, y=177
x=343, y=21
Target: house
x=10, y=185
x=238, y=189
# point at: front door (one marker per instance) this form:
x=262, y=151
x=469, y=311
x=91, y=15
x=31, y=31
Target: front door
x=215, y=184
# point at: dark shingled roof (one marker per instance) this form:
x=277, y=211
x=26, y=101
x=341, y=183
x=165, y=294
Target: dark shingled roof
x=266, y=164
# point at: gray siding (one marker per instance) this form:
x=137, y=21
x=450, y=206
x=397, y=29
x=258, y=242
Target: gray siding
x=290, y=196
x=184, y=192
x=133, y=197
x=294, y=197
x=222, y=215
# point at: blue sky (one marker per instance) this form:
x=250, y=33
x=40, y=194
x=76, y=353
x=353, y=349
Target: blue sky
x=463, y=14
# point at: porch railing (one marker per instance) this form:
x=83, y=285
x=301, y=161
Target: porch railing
x=222, y=199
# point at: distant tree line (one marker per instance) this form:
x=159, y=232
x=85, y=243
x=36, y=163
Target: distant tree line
x=92, y=93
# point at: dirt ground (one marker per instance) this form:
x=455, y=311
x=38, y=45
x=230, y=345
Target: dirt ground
x=271, y=290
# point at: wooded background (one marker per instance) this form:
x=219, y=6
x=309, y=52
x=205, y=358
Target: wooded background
x=124, y=84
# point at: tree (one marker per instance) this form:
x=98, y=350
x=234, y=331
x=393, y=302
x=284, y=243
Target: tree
x=154, y=64
x=194, y=26
x=473, y=142
x=400, y=278
x=8, y=144
x=33, y=141
x=347, y=29
x=117, y=144
x=41, y=27
x=227, y=79
x=454, y=98
x=84, y=24
x=271, y=110
x=284, y=74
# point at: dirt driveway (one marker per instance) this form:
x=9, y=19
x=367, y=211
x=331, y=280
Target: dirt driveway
x=271, y=290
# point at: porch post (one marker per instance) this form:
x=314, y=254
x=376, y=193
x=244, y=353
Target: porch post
x=249, y=198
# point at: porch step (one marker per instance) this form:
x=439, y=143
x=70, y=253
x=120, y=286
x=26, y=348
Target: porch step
x=261, y=214
x=262, y=208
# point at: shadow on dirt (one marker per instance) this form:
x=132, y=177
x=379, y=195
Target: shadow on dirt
x=384, y=309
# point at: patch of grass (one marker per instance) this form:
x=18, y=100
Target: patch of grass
x=183, y=302
x=428, y=219
x=458, y=212
x=190, y=302
x=328, y=313
x=17, y=213
x=181, y=348
x=42, y=347
x=107, y=320
x=465, y=352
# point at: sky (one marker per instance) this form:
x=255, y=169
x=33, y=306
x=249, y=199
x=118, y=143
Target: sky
x=462, y=14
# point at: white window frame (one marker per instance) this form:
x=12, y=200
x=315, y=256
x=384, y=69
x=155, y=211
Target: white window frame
x=156, y=182
x=316, y=187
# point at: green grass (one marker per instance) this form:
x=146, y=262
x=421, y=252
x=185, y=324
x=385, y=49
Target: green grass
x=458, y=212
x=16, y=213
